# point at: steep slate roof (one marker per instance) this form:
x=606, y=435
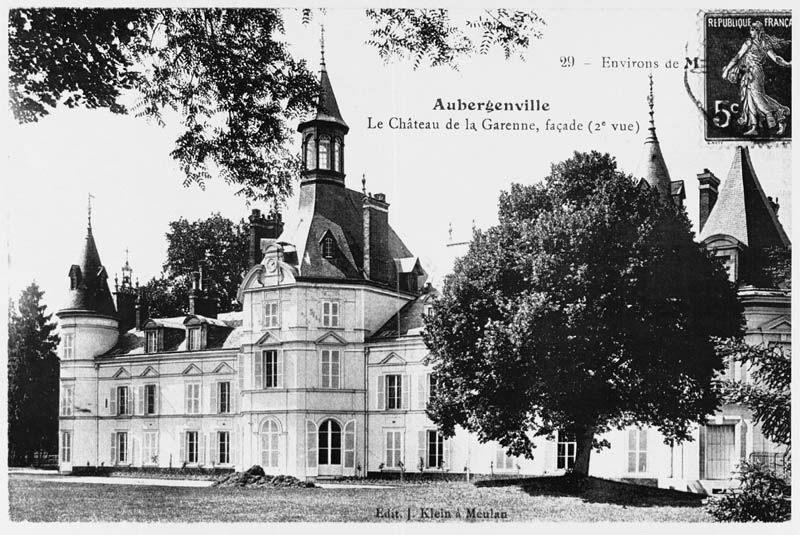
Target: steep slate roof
x=655, y=168
x=92, y=293
x=408, y=320
x=742, y=210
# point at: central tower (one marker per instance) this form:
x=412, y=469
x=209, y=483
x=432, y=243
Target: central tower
x=323, y=136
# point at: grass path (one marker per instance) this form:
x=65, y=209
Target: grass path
x=32, y=499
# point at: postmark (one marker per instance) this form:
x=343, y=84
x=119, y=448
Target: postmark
x=747, y=75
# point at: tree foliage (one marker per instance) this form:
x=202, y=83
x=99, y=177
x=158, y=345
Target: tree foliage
x=763, y=496
x=33, y=372
x=768, y=393
x=216, y=242
x=227, y=74
x=588, y=307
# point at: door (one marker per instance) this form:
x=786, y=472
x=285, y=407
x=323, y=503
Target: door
x=720, y=451
x=329, y=439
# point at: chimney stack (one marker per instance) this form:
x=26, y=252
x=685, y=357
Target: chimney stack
x=260, y=227
x=774, y=204
x=199, y=301
x=709, y=190
x=141, y=309
x=377, y=265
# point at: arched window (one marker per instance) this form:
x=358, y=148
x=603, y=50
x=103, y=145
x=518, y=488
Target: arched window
x=337, y=155
x=324, y=152
x=328, y=246
x=270, y=452
x=330, y=443
x=311, y=153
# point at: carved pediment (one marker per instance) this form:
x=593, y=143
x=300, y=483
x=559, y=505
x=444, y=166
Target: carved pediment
x=781, y=323
x=223, y=368
x=393, y=359
x=149, y=372
x=192, y=369
x=331, y=337
x=268, y=338
x=122, y=373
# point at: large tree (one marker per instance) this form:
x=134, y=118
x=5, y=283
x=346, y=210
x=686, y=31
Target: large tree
x=216, y=242
x=588, y=307
x=227, y=73
x=32, y=379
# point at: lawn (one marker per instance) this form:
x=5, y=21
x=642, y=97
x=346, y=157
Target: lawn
x=31, y=499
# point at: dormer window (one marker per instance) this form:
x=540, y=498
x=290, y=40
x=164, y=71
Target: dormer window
x=328, y=246
x=194, y=339
x=311, y=153
x=324, y=152
x=75, y=277
x=154, y=341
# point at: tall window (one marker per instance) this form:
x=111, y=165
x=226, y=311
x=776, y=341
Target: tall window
x=311, y=153
x=503, y=460
x=192, y=447
x=331, y=368
x=328, y=247
x=394, y=392
x=224, y=397
x=394, y=448
x=68, y=346
x=123, y=401
x=330, y=314
x=637, y=450
x=195, y=340
x=67, y=399
x=271, y=319
x=269, y=369
x=330, y=443
x=269, y=444
x=435, y=449
x=223, y=447
x=324, y=152
x=337, y=155
x=122, y=447
x=193, y=398
x=66, y=447
x=153, y=340
x=149, y=399
x=150, y=447
x=565, y=451
x=431, y=386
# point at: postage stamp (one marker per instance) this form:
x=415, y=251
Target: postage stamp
x=748, y=79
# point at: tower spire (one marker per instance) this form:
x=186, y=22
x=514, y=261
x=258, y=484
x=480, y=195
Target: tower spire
x=655, y=168
x=322, y=47
x=89, y=211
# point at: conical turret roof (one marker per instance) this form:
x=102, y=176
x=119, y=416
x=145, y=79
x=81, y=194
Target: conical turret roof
x=89, y=291
x=327, y=107
x=655, y=168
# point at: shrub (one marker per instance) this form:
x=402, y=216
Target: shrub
x=764, y=496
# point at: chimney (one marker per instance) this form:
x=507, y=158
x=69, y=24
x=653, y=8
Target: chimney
x=260, y=227
x=709, y=189
x=141, y=309
x=199, y=302
x=377, y=264
x=774, y=204
x=126, y=308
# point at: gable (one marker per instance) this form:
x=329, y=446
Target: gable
x=149, y=372
x=122, y=373
x=267, y=339
x=330, y=337
x=223, y=368
x=782, y=323
x=192, y=370
x=393, y=359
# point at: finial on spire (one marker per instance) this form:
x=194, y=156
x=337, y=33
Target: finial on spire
x=364, y=183
x=450, y=232
x=322, y=46
x=90, y=210
x=651, y=103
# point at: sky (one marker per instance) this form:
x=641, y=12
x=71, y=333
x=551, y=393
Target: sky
x=432, y=179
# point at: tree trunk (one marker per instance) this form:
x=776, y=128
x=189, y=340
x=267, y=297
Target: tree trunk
x=584, y=438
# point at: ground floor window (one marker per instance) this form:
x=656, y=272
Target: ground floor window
x=192, y=447
x=435, y=449
x=269, y=444
x=565, y=451
x=330, y=442
x=66, y=447
x=119, y=447
x=637, y=450
x=223, y=447
x=504, y=461
x=150, y=448
x=394, y=448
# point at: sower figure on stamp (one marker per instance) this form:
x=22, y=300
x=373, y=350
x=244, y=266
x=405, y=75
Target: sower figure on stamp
x=747, y=69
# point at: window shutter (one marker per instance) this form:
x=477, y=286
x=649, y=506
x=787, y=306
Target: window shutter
x=422, y=448
x=129, y=401
x=200, y=398
x=186, y=398
x=113, y=449
x=311, y=445
x=381, y=404
x=421, y=397
x=203, y=445
x=156, y=451
x=237, y=457
x=182, y=440
x=214, y=406
x=350, y=444
x=112, y=402
x=240, y=371
x=212, y=446
x=258, y=373
x=340, y=368
x=499, y=462
x=141, y=400
x=404, y=389
x=134, y=451
x=446, y=454
x=157, y=397
x=279, y=373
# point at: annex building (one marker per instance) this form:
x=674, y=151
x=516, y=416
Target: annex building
x=322, y=374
